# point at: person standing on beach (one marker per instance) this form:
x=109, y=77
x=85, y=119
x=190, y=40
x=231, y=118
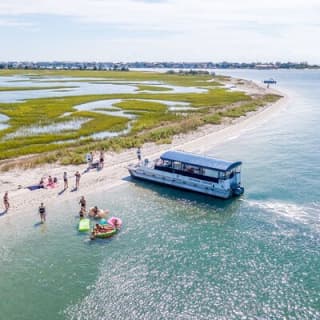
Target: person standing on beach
x=65, y=180
x=90, y=159
x=42, y=212
x=6, y=201
x=139, y=154
x=77, y=175
x=101, y=158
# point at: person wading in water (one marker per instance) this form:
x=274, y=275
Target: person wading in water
x=42, y=212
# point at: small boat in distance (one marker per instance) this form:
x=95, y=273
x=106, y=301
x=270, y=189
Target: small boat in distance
x=215, y=177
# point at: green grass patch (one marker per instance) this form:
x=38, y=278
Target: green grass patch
x=213, y=119
x=249, y=107
x=175, y=79
x=152, y=88
x=141, y=105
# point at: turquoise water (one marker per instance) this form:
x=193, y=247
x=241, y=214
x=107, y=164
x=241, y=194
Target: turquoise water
x=182, y=255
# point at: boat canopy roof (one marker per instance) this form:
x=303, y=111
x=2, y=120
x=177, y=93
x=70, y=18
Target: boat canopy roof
x=200, y=161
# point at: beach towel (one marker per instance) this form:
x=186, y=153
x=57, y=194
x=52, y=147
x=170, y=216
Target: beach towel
x=52, y=185
x=34, y=187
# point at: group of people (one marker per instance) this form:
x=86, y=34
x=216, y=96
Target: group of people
x=52, y=181
x=82, y=213
x=99, y=164
x=94, y=212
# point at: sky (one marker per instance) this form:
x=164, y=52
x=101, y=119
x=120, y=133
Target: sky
x=160, y=30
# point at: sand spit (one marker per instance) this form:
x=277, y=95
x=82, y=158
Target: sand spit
x=115, y=170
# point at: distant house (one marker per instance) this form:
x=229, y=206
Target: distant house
x=265, y=66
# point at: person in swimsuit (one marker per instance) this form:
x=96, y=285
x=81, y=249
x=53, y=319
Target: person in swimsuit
x=95, y=211
x=82, y=213
x=139, y=154
x=78, y=175
x=42, y=212
x=101, y=159
x=41, y=183
x=83, y=203
x=115, y=223
x=65, y=180
x=50, y=181
x=6, y=201
x=90, y=160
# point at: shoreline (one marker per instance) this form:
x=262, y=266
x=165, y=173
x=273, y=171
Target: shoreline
x=115, y=170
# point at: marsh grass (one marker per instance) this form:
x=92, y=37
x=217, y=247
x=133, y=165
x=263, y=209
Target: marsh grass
x=141, y=105
x=152, y=88
x=154, y=122
x=175, y=79
x=243, y=109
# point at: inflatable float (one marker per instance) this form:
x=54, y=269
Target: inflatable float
x=84, y=225
x=100, y=214
x=103, y=221
x=105, y=231
x=115, y=222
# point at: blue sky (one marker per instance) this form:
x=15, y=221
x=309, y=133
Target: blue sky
x=158, y=30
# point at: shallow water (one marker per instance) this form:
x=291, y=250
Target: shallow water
x=71, y=125
x=3, y=120
x=74, y=87
x=181, y=255
x=111, y=104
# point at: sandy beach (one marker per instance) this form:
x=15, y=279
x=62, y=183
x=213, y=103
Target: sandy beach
x=115, y=170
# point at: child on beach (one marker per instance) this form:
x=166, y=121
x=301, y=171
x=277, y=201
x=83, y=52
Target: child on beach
x=6, y=201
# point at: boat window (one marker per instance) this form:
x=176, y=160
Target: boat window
x=176, y=165
x=230, y=174
x=211, y=173
x=222, y=175
x=192, y=169
x=167, y=163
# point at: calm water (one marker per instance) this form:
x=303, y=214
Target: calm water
x=72, y=87
x=187, y=256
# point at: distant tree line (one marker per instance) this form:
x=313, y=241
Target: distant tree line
x=122, y=66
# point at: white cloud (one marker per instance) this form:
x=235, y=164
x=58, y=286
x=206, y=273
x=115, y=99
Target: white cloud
x=198, y=28
x=15, y=23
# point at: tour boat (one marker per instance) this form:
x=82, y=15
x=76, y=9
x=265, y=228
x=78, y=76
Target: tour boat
x=204, y=174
